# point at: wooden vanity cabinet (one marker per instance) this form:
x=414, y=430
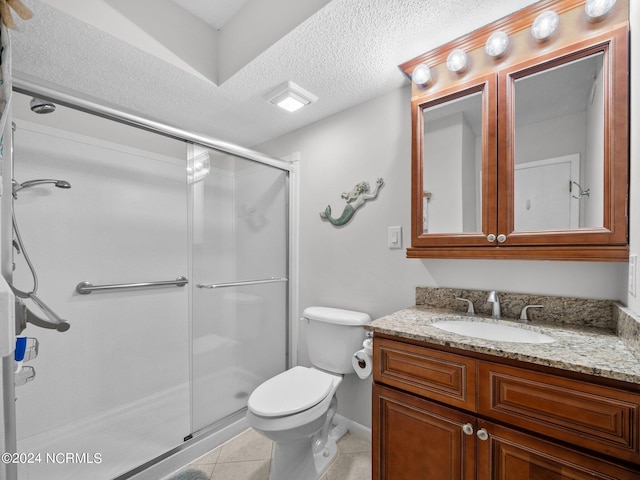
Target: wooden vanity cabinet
x=443, y=415
x=511, y=455
x=415, y=439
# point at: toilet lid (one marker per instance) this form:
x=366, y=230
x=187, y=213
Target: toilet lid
x=293, y=391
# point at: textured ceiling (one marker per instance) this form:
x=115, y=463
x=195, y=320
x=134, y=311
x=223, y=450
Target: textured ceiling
x=345, y=54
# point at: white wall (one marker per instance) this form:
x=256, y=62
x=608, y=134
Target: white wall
x=351, y=267
x=593, y=166
x=468, y=177
x=443, y=159
x=563, y=136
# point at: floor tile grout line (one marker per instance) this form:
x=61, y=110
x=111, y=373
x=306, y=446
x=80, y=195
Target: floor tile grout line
x=360, y=450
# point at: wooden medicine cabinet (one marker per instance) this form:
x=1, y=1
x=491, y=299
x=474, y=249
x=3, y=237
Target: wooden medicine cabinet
x=524, y=155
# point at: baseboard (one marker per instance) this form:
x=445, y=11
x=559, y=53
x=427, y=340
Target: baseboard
x=354, y=427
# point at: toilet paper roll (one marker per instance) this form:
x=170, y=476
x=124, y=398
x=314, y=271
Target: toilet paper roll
x=362, y=363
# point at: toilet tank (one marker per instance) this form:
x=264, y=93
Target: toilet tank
x=333, y=336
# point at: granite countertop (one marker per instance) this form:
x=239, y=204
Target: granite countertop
x=583, y=349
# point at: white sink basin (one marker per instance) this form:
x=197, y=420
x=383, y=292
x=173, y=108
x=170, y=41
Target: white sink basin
x=492, y=331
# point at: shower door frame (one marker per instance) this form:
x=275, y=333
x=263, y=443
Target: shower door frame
x=289, y=165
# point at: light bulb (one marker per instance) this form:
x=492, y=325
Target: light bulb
x=596, y=10
x=457, y=61
x=497, y=44
x=544, y=25
x=421, y=75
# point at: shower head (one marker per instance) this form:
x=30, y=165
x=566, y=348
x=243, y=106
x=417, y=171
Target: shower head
x=40, y=181
x=38, y=105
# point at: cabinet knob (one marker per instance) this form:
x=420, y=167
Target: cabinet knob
x=491, y=237
x=467, y=428
x=482, y=434
x=501, y=238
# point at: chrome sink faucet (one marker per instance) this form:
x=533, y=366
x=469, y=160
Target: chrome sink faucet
x=493, y=298
x=523, y=313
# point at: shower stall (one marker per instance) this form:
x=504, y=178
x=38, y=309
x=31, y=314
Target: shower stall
x=170, y=257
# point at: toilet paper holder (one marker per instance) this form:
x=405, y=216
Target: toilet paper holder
x=361, y=361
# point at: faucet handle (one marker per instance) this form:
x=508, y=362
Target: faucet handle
x=470, y=308
x=523, y=313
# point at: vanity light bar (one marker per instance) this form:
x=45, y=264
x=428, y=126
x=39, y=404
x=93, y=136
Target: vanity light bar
x=542, y=29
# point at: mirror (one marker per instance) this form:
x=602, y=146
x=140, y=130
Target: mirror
x=452, y=165
x=559, y=147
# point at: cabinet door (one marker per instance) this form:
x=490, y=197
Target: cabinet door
x=454, y=165
x=417, y=439
x=585, y=414
x=563, y=149
x=510, y=455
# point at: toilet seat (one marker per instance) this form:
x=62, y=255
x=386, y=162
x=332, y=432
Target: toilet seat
x=290, y=392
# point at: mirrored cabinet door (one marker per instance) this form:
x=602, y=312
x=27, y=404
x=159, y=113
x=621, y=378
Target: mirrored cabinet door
x=563, y=157
x=454, y=178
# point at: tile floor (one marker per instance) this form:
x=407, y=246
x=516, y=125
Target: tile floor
x=247, y=457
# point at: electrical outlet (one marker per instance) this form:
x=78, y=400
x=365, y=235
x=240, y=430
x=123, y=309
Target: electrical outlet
x=633, y=262
x=395, y=237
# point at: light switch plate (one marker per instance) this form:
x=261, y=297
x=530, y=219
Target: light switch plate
x=395, y=237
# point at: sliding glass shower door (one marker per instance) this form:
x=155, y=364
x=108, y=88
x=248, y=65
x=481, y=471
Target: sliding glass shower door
x=112, y=392
x=143, y=368
x=240, y=236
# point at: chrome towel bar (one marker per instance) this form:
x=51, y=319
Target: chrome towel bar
x=88, y=287
x=242, y=282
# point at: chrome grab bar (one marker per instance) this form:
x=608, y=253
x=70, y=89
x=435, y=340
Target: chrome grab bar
x=242, y=282
x=87, y=287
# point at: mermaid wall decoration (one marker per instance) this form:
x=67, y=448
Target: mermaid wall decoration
x=355, y=199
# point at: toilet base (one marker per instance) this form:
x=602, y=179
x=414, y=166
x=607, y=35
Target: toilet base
x=296, y=460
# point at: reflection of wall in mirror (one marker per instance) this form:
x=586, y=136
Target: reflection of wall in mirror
x=450, y=175
x=561, y=112
x=542, y=194
x=592, y=207
x=576, y=133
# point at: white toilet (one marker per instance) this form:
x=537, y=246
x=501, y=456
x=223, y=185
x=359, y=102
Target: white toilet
x=295, y=408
